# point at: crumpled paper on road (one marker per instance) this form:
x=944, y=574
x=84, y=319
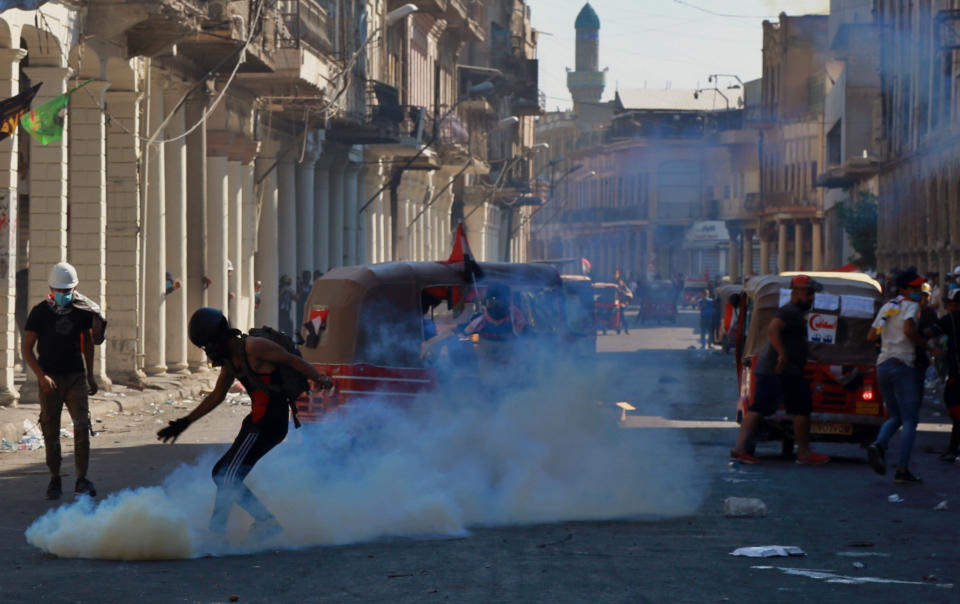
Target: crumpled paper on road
x=769, y=551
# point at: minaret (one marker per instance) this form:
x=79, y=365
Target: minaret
x=586, y=82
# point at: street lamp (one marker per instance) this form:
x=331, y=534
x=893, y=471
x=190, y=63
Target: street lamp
x=696, y=94
x=715, y=78
x=399, y=13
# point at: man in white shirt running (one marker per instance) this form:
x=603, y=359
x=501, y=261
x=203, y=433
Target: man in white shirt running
x=896, y=326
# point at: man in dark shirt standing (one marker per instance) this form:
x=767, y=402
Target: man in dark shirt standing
x=779, y=375
x=64, y=341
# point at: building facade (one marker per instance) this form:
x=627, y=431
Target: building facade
x=227, y=143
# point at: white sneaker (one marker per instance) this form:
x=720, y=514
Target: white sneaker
x=262, y=530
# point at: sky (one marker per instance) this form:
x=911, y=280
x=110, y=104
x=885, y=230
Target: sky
x=659, y=43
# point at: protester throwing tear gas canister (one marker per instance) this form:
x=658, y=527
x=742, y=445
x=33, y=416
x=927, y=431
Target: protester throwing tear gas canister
x=269, y=373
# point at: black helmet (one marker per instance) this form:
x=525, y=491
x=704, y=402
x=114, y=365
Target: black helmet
x=207, y=325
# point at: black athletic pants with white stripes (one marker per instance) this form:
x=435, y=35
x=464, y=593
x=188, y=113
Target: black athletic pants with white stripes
x=253, y=442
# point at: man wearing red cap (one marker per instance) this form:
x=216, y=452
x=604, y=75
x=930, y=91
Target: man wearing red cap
x=779, y=375
x=896, y=325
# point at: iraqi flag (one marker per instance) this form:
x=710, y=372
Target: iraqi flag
x=585, y=266
x=12, y=109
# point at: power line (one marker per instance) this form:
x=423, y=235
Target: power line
x=727, y=15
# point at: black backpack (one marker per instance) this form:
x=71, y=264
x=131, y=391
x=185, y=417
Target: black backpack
x=292, y=382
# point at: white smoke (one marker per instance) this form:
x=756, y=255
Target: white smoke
x=444, y=465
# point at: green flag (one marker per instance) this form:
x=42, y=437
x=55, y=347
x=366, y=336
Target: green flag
x=45, y=122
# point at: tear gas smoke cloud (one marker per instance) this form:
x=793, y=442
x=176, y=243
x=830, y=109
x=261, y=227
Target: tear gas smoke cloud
x=448, y=463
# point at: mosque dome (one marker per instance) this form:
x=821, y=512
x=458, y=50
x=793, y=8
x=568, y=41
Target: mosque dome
x=587, y=19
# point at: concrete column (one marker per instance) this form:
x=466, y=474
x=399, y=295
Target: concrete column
x=88, y=201
x=350, y=218
x=816, y=242
x=798, y=246
x=9, y=86
x=781, y=246
x=733, y=264
x=369, y=183
x=747, y=253
x=217, y=238
x=194, y=287
x=246, y=271
x=287, y=217
x=267, y=261
x=335, y=227
x=175, y=164
x=234, y=237
x=321, y=215
x=287, y=222
x=48, y=191
x=764, y=255
x=124, y=237
x=307, y=224
x=155, y=251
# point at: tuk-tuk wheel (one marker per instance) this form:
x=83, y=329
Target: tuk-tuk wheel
x=751, y=448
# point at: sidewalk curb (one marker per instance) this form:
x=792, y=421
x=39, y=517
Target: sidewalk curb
x=159, y=390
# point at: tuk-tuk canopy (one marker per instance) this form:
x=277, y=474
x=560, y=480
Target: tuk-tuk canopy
x=374, y=313
x=724, y=292
x=857, y=292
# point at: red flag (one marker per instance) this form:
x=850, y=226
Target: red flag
x=461, y=247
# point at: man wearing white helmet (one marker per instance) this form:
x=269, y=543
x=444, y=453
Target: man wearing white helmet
x=63, y=335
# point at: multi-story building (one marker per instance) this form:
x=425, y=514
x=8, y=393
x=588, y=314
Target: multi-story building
x=789, y=212
x=919, y=152
x=277, y=137
x=851, y=120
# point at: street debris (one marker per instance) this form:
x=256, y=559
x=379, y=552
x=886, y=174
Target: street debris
x=744, y=507
x=859, y=564
x=831, y=577
x=940, y=507
x=895, y=498
x=564, y=540
x=769, y=551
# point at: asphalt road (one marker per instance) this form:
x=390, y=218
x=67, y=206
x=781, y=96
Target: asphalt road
x=858, y=545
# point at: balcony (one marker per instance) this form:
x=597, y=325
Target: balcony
x=384, y=121
x=849, y=173
x=305, y=22
x=527, y=99
x=607, y=215
x=656, y=124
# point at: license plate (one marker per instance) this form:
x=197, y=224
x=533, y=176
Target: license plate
x=841, y=429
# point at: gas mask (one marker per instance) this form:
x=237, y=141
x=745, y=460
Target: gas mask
x=217, y=353
x=497, y=308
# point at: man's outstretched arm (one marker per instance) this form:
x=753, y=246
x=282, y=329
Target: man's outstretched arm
x=208, y=404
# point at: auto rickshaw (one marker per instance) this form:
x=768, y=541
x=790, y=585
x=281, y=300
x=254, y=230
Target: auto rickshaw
x=658, y=302
x=368, y=326
x=730, y=313
x=607, y=306
x=578, y=305
x=841, y=368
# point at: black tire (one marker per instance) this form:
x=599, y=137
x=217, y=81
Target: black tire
x=751, y=448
